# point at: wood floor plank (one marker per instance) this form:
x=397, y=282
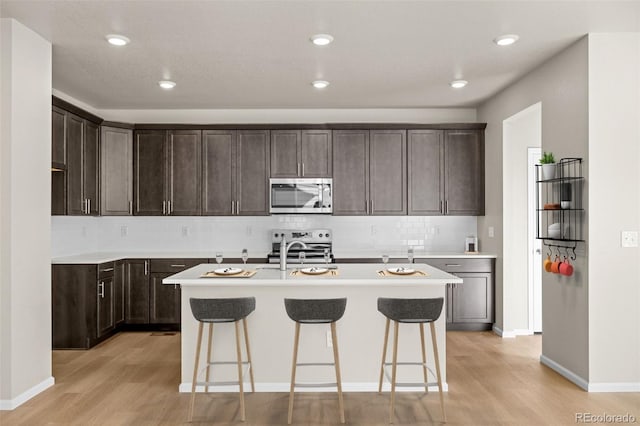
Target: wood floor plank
x=132, y=379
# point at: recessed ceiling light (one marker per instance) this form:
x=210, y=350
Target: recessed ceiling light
x=321, y=39
x=167, y=84
x=506, y=40
x=117, y=40
x=320, y=84
x=459, y=84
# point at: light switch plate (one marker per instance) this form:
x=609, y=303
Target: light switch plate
x=491, y=232
x=629, y=239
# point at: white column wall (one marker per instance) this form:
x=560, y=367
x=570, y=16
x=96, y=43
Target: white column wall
x=25, y=223
x=560, y=84
x=614, y=206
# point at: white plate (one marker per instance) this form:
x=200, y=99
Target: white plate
x=314, y=271
x=227, y=271
x=401, y=271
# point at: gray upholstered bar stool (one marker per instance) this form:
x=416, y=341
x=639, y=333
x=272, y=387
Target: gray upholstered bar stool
x=413, y=311
x=315, y=311
x=212, y=311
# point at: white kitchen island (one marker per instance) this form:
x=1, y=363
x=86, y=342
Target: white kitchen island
x=271, y=332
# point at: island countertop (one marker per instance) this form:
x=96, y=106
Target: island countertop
x=346, y=274
x=360, y=331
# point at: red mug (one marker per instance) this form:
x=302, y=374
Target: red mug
x=555, y=266
x=566, y=268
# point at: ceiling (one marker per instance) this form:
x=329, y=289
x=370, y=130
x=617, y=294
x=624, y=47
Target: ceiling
x=257, y=54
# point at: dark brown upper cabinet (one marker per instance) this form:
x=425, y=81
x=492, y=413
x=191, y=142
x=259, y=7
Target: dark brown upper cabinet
x=369, y=172
x=235, y=168
x=58, y=135
x=301, y=153
x=167, y=172
x=446, y=172
x=464, y=172
x=82, y=168
x=116, y=171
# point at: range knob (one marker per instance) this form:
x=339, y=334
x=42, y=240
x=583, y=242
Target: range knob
x=326, y=235
x=275, y=235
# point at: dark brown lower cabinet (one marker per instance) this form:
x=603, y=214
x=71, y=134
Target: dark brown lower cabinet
x=164, y=307
x=83, y=305
x=119, y=281
x=137, y=292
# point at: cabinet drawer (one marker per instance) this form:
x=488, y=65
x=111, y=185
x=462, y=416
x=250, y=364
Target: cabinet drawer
x=174, y=265
x=105, y=270
x=460, y=265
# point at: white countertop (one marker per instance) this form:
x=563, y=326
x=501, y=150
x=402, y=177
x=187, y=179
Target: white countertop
x=102, y=257
x=357, y=274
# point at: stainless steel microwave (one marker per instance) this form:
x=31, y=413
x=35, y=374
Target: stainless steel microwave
x=302, y=195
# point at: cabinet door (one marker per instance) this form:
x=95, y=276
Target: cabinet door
x=75, y=152
x=185, y=172
x=58, y=134
x=150, y=172
x=464, y=172
x=473, y=299
x=137, y=292
x=252, y=173
x=91, y=165
x=425, y=170
x=350, y=172
x=316, y=153
x=164, y=300
x=285, y=153
x=119, y=281
x=388, y=172
x=116, y=171
x=105, y=298
x=218, y=156
x=73, y=306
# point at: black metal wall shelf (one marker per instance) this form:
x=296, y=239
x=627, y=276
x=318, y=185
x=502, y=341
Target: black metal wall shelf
x=559, y=210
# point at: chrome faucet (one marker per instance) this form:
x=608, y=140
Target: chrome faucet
x=284, y=249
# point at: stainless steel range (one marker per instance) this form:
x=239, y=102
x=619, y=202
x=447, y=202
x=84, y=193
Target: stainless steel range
x=316, y=240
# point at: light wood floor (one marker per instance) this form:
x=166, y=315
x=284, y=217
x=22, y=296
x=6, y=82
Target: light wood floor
x=132, y=379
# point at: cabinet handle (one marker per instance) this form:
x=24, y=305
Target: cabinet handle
x=178, y=266
x=446, y=206
x=131, y=208
x=441, y=211
x=169, y=207
x=164, y=207
x=101, y=290
x=106, y=270
x=371, y=206
x=84, y=206
x=232, y=207
x=453, y=264
x=302, y=169
x=89, y=206
x=237, y=207
x=146, y=267
x=298, y=169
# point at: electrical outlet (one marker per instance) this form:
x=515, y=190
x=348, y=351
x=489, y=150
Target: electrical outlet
x=124, y=231
x=185, y=231
x=629, y=239
x=248, y=231
x=329, y=341
x=491, y=232
x=374, y=230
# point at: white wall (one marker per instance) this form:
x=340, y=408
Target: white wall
x=560, y=85
x=520, y=132
x=614, y=194
x=352, y=235
x=25, y=200
x=303, y=115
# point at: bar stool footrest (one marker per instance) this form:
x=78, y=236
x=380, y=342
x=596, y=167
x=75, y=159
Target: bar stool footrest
x=315, y=385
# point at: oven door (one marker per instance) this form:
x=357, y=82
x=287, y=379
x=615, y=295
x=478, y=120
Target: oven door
x=300, y=195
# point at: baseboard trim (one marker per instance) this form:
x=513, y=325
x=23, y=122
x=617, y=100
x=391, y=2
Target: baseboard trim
x=615, y=387
x=565, y=372
x=512, y=333
x=12, y=404
x=284, y=387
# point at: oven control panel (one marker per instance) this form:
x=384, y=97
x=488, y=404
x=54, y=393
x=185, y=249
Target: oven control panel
x=304, y=235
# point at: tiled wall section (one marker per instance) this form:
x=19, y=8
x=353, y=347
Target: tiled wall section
x=73, y=234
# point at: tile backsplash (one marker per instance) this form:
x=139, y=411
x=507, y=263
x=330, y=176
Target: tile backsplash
x=76, y=234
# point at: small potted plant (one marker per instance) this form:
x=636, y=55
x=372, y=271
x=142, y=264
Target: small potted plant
x=548, y=166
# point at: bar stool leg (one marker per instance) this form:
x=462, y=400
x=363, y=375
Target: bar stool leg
x=336, y=360
x=424, y=358
x=293, y=371
x=437, y=360
x=206, y=387
x=239, y=357
x=246, y=341
x=393, y=370
x=195, y=372
x=384, y=354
